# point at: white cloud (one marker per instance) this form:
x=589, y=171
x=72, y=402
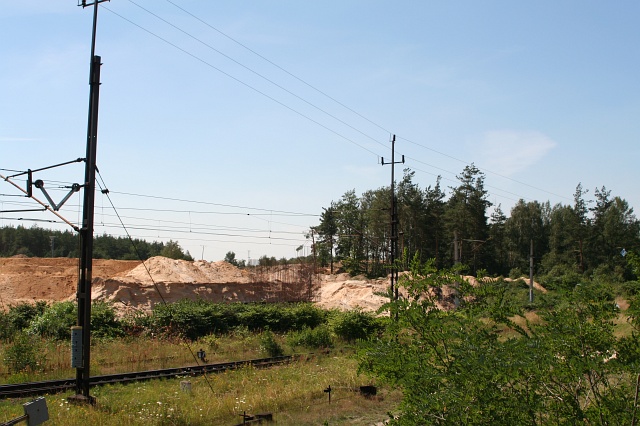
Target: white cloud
x=508, y=152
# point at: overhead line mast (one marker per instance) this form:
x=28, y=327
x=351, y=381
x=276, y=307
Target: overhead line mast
x=81, y=334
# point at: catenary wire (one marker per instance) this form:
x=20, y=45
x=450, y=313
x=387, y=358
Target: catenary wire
x=480, y=168
x=155, y=285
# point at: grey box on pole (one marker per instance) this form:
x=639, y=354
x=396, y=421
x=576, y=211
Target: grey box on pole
x=36, y=412
x=76, y=347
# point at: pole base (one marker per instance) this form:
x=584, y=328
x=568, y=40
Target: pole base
x=79, y=399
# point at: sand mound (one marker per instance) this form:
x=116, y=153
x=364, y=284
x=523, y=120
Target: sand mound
x=141, y=286
x=163, y=270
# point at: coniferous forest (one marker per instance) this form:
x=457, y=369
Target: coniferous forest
x=588, y=236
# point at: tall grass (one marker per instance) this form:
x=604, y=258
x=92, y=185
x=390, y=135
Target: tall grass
x=293, y=393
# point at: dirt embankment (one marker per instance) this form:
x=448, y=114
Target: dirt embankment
x=134, y=285
x=24, y=279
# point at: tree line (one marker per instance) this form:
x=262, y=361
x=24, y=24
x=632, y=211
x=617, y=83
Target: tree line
x=41, y=242
x=585, y=237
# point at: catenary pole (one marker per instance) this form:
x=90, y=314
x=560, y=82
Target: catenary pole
x=85, y=272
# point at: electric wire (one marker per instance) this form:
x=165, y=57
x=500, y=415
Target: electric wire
x=258, y=74
x=155, y=285
x=336, y=101
x=281, y=87
x=297, y=112
x=270, y=211
x=482, y=169
x=280, y=68
x=196, y=57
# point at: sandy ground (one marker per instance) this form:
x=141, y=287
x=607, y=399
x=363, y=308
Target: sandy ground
x=133, y=285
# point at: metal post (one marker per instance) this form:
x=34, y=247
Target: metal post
x=531, y=273
x=394, y=225
x=394, y=221
x=83, y=294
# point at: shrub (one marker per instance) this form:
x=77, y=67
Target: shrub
x=104, y=322
x=631, y=288
x=25, y=353
x=6, y=328
x=314, y=338
x=561, y=277
x=192, y=319
x=306, y=315
x=21, y=315
x=269, y=344
x=56, y=321
x=355, y=325
x=515, y=273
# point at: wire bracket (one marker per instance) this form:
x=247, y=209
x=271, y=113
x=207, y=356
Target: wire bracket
x=40, y=185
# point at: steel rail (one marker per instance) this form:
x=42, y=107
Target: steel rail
x=54, y=386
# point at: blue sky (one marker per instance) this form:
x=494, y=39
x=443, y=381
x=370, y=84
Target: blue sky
x=203, y=141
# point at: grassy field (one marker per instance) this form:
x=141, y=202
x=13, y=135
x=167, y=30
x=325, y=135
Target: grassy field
x=293, y=393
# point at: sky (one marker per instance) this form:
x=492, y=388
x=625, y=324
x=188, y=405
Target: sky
x=228, y=126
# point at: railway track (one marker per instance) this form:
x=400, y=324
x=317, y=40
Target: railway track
x=55, y=386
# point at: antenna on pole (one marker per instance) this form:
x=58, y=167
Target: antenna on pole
x=81, y=337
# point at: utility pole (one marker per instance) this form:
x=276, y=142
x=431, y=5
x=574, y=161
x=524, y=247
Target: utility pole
x=83, y=295
x=394, y=223
x=531, y=273
x=52, y=238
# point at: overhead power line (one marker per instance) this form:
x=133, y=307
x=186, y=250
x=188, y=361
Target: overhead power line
x=257, y=73
x=337, y=101
x=244, y=83
x=281, y=68
x=208, y=45
x=269, y=211
x=482, y=169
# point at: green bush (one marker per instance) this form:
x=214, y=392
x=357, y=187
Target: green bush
x=515, y=273
x=306, y=315
x=6, y=328
x=195, y=319
x=22, y=314
x=26, y=353
x=562, y=278
x=270, y=345
x=631, y=288
x=56, y=321
x=606, y=273
x=19, y=317
x=313, y=338
x=355, y=325
x=104, y=322
x=192, y=319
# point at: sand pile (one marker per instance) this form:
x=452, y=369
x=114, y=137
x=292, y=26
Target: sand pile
x=163, y=270
x=132, y=285
x=345, y=292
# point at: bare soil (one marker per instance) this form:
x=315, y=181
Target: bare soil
x=134, y=285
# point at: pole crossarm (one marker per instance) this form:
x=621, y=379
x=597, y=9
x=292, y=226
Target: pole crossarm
x=84, y=4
